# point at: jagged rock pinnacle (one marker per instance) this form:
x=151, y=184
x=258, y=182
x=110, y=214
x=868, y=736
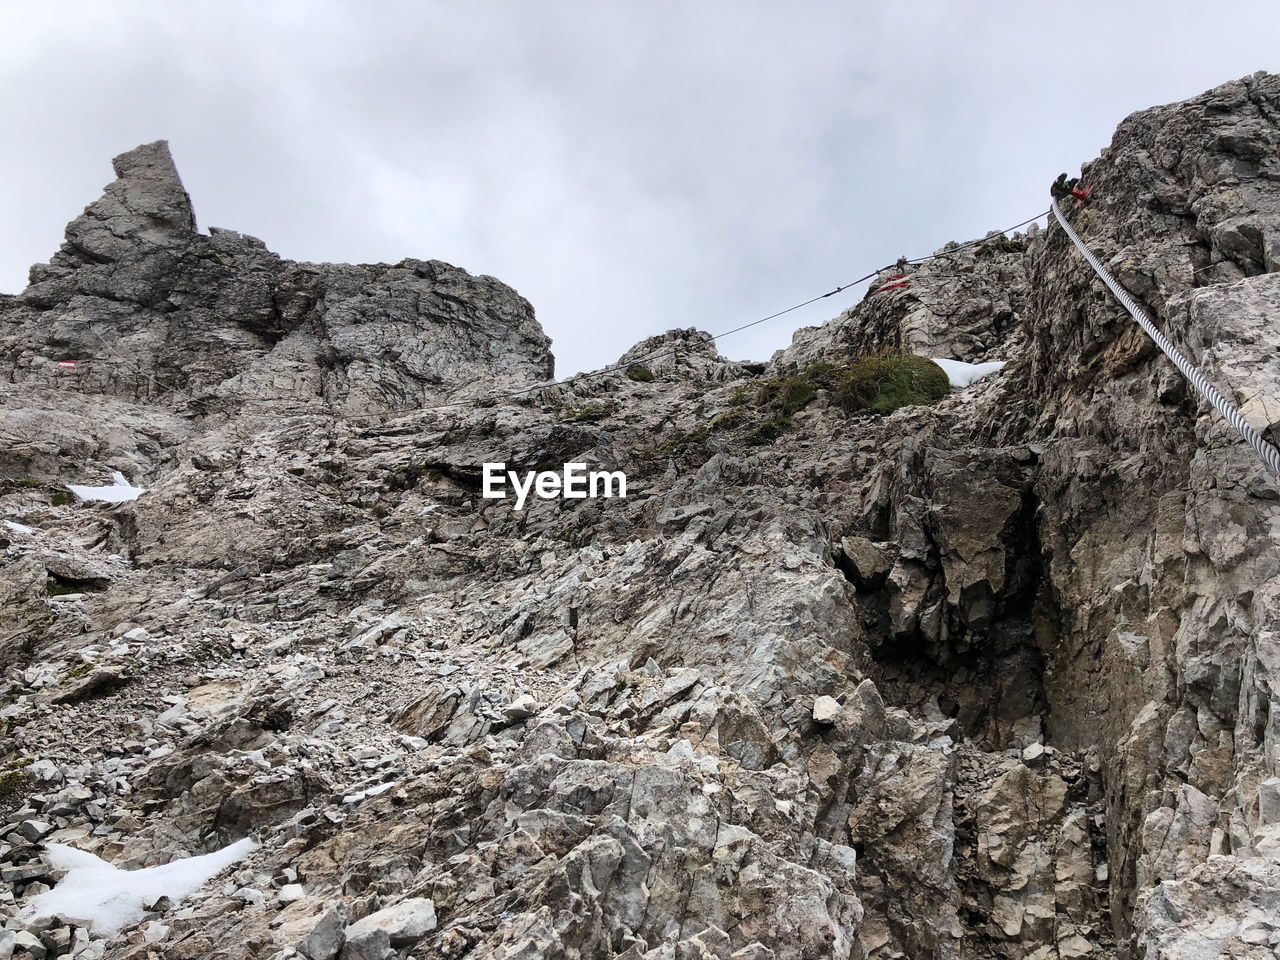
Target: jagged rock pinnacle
x=160, y=309
x=146, y=203
x=988, y=674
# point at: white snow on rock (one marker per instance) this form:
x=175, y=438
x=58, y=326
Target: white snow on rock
x=106, y=898
x=121, y=491
x=18, y=527
x=962, y=374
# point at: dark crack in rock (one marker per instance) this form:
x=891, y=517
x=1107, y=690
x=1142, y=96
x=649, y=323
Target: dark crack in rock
x=989, y=677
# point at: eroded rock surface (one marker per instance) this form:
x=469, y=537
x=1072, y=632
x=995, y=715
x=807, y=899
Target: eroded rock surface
x=989, y=678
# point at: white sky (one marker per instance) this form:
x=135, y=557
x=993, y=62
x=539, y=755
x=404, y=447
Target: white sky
x=628, y=167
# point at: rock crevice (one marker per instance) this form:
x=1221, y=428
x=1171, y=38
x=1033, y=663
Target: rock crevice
x=985, y=676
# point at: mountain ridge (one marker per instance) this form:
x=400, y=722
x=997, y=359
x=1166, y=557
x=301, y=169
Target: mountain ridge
x=988, y=676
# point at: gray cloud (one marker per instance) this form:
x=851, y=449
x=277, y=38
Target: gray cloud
x=628, y=167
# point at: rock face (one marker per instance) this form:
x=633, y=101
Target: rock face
x=989, y=678
x=153, y=309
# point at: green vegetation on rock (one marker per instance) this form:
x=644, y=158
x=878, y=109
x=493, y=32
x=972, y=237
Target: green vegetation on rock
x=728, y=420
x=591, y=413
x=877, y=384
x=76, y=672
x=640, y=373
x=679, y=441
x=880, y=383
x=769, y=431
x=12, y=784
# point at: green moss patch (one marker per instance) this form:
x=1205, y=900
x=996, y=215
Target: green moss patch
x=591, y=413
x=769, y=431
x=876, y=384
x=728, y=420
x=640, y=373
x=679, y=441
x=76, y=672
x=994, y=245
x=880, y=383
x=14, y=785
x=888, y=381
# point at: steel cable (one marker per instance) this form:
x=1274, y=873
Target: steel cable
x=1269, y=454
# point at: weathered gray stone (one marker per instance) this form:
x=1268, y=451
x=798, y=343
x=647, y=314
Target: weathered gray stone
x=27, y=944
x=992, y=676
x=367, y=945
x=406, y=922
x=825, y=710
x=34, y=830
x=326, y=938
x=521, y=707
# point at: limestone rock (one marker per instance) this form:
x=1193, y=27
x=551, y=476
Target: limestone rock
x=406, y=922
x=825, y=710
x=326, y=938
x=989, y=677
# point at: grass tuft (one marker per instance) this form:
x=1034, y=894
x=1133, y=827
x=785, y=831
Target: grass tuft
x=12, y=784
x=591, y=413
x=79, y=670
x=880, y=383
x=640, y=373
x=769, y=431
x=888, y=381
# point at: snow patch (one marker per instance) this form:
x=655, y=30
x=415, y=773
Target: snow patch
x=366, y=794
x=962, y=374
x=106, y=898
x=19, y=527
x=121, y=491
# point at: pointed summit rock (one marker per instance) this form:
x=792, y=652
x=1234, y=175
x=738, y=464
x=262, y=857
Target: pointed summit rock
x=1040, y=615
x=162, y=310
x=145, y=204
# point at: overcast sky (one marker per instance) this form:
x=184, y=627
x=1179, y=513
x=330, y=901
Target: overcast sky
x=628, y=167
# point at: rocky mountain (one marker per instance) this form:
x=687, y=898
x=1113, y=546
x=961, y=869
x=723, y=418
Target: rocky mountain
x=846, y=673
